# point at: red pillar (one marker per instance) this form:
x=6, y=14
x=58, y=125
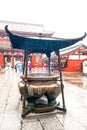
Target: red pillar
x=12, y=61
x=34, y=60
x=1, y=59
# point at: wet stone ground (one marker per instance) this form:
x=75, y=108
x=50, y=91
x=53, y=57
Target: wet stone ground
x=76, y=79
x=75, y=91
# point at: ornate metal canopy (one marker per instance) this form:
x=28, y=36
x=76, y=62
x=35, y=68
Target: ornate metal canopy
x=40, y=44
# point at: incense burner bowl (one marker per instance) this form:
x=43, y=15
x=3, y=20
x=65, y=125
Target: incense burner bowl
x=36, y=85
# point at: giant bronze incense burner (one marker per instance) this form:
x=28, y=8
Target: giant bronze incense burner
x=39, y=84
x=39, y=91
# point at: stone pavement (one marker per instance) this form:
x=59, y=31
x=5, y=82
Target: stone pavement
x=75, y=98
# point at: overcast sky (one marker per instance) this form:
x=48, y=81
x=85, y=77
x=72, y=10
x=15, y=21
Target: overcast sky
x=68, y=18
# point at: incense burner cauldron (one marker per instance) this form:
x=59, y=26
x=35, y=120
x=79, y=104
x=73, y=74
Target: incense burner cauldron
x=37, y=85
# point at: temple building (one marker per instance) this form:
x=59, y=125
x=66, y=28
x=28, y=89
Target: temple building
x=72, y=58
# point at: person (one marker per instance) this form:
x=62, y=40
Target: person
x=44, y=67
x=15, y=67
x=52, y=66
x=21, y=67
x=58, y=67
x=30, y=68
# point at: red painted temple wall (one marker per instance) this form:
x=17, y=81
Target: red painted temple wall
x=73, y=66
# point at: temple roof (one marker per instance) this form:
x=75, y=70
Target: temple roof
x=71, y=49
x=5, y=46
x=25, y=29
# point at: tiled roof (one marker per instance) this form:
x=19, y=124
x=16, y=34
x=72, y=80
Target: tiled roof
x=4, y=46
x=69, y=49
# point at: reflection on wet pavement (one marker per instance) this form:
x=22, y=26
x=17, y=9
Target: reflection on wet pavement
x=77, y=79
